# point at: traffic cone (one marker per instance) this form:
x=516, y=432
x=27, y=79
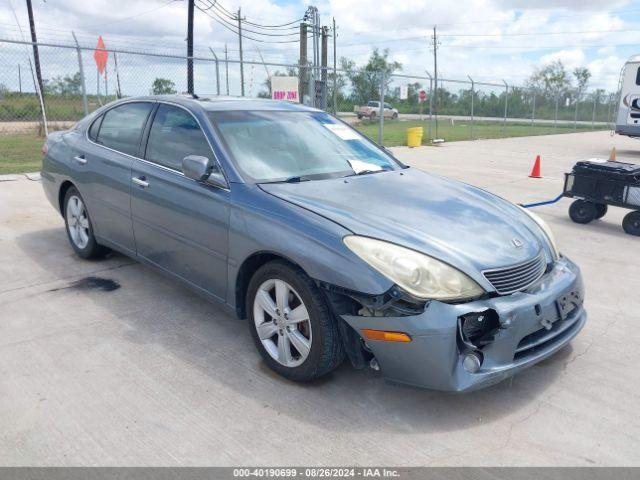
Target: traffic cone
x=612, y=156
x=535, y=173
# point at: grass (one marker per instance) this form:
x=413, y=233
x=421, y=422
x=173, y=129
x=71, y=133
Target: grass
x=395, y=131
x=20, y=153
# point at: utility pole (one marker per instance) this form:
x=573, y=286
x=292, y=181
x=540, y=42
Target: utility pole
x=335, y=70
x=226, y=67
x=302, y=69
x=190, y=47
x=240, y=45
x=435, y=74
x=323, y=66
x=34, y=40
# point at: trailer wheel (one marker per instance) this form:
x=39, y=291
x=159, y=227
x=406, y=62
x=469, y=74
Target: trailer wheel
x=582, y=211
x=601, y=210
x=631, y=223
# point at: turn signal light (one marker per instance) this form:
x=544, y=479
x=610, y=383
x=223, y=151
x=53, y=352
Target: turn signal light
x=384, y=336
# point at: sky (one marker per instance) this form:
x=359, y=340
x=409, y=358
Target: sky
x=488, y=40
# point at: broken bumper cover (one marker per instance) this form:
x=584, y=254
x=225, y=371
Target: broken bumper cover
x=535, y=324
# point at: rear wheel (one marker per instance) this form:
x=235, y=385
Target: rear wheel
x=372, y=116
x=291, y=323
x=631, y=223
x=601, y=210
x=79, y=228
x=582, y=211
x=394, y=116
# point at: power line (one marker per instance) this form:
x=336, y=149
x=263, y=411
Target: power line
x=211, y=12
x=231, y=16
x=236, y=32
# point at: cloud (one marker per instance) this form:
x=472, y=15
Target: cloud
x=497, y=39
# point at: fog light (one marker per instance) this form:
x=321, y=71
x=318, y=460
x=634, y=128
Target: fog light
x=472, y=362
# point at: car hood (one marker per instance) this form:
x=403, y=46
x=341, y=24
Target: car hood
x=463, y=225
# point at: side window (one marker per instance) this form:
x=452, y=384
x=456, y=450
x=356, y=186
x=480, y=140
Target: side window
x=174, y=135
x=93, y=130
x=638, y=76
x=386, y=105
x=122, y=127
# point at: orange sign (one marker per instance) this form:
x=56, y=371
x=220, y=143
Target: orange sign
x=100, y=55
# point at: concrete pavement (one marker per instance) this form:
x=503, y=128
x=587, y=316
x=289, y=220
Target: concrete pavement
x=109, y=363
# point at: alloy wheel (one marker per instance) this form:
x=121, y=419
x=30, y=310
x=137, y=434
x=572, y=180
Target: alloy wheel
x=77, y=222
x=282, y=322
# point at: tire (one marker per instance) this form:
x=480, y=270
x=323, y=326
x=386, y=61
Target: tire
x=631, y=223
x=372, y=116
x=78, y=226
x=601, y=210
x=320, y=330
x=582, y=211
x=394, y=116
x=359, y=117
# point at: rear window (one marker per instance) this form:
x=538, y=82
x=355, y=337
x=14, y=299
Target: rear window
x=121, y=127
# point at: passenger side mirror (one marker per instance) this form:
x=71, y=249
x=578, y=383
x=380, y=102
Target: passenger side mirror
x=201, y=169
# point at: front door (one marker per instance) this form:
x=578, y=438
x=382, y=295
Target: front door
x=180, y=225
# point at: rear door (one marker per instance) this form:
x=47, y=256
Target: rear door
x=104, y=167
x=180, y=225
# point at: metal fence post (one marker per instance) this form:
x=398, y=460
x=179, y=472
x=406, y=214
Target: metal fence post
x=506, y=105
x=593, y=113
x=217, y=71
x=533, y=109
x=575, y=115
x=609, y=109
x=430, y=101
x=381, y=124
x=555, y=118
x=473, y=94
x=85, y=104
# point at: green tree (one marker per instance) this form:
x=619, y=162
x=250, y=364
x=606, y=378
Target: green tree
x=163, y=86
x=67, y=85
x=551, y=79
x=365, y=81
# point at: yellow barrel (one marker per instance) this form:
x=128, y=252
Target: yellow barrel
x=414, y=136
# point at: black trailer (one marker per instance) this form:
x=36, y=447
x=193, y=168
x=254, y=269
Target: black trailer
x=597, y=185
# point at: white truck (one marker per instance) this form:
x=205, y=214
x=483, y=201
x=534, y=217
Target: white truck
x=372, y=109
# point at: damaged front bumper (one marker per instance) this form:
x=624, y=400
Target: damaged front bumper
x=533, y=324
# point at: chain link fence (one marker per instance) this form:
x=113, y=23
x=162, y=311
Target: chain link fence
x=452, y=109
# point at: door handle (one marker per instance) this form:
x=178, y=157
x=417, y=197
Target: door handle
x=140, y=181
x=80, y=159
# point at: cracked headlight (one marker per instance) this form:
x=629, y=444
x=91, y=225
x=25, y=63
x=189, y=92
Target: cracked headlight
x=422, y=276
x=547, y=232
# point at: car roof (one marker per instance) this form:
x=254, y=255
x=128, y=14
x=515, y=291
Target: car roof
x=222, y=103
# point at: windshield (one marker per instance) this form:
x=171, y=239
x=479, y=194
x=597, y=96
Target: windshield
x=269, y=146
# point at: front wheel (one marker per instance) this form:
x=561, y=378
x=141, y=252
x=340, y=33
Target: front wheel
x=631, y=223
x=582, y=211
x=79, y=228
x=291, y=323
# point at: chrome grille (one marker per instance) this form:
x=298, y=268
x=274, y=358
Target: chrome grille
x=516, y=277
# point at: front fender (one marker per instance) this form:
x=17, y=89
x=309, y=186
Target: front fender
x=261, y=222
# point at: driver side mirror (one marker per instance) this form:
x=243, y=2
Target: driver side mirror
x=202, y=169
